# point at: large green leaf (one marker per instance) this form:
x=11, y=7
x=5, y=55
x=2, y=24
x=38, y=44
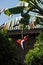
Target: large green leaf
x=15, y=10
x=35, y=3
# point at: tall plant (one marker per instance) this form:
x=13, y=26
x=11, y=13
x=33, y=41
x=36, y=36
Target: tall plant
x=27, y=6
x=24, y=8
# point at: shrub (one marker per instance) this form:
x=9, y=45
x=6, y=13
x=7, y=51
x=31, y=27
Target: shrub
x=7, y=50
x=35, y=56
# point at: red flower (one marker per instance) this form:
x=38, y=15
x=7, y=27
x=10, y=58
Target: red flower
x=18, y=41
x=26, y=37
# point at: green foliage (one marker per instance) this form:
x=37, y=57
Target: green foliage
x=35, y=56
x=25, y=19
x=33, y=6
x=14, y=10
x=7, y=50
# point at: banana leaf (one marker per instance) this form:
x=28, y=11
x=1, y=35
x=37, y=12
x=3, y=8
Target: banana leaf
x=14, y=10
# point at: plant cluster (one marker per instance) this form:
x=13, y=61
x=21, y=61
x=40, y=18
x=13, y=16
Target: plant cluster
x=35, y=56
x=7, y=50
